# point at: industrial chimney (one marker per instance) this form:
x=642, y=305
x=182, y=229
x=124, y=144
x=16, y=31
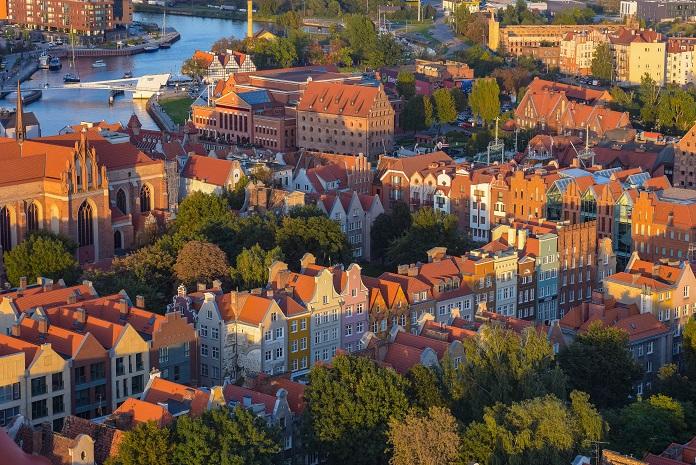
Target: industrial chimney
x=250, y=20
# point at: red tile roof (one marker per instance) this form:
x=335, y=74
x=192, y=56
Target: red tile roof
x=12, y=345
x=339, y=99
x=161, y=391
x=13, y=454
x=138, y=411
x=421, y=342
x=209, y=170
x=402, y=357
x=106, y=439
x=238, y=393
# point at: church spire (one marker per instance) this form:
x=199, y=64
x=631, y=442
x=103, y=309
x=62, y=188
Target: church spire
x=20, y=129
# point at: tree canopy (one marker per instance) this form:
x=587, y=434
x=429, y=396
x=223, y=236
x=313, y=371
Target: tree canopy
x=430, y=439
x=251, y=269
x=42, y=254
x=445, y=106
x=200, y=261
x=485, y=99
x=594, y=353
x=349, y=407
x=602, y=67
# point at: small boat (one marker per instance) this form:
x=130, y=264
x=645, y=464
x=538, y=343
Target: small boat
x=43, y=60
x=70, y=77
x=165, y=45
x=151, y=48
x=127, y=75
x=54, y=64
x=99, y=64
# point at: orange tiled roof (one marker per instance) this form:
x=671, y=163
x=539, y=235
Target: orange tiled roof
x=208, y=169
x=106, y=439
x=162, y=391
x=139, y=411
x=421, y=342
x=12, y=345
x=62, y=340
x=338, y=99
x=402, y=357
x=238, y=393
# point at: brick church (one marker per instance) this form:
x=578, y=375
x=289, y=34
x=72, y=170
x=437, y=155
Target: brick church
x=96, y=188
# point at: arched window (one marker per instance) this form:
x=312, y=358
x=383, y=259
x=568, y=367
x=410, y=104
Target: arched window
x=78, y=170
x=5, y=229
x=85, y=228
x=145, y=199
x=118, y=241
x=33, y=217
x=89, y=173
x=121, y=201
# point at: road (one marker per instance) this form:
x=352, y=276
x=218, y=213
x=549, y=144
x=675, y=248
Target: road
x=442, y=32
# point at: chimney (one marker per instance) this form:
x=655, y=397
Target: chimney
x=37, y=441
x=16, y=330
x=81, y=315
x=47, y=285
x=234, y=299
x=217, y=284
x=282, y=278
x=200, y=287
x=256, y=291
x=181, y=291
x=269, y=293
x=23, y=283
x=402, y=269
x=123, y=308
x=511, y=236
x=521, y=239
x=43, y=325
x=306, y=260
x=72, y=298
x=139, y=301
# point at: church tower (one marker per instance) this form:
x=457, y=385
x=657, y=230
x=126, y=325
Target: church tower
x=20, y=129
x=250, y=20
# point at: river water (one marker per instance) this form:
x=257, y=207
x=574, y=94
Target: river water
x=58, y=108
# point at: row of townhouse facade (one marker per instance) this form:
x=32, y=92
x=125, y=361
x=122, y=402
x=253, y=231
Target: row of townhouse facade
x=105, y=348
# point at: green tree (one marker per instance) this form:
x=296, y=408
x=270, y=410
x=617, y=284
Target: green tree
x=575, y=16
x=504, y=367
x=146, y=444
x=237, y=195
x=459, y=99
x=428, y=111
x=349, y=406
x=445, y=110
x=201, y=262
x=318, y=234
x=194, y=68
x=429, y=228
x=413, y=116
x=224, y=437
x=622, y=99
x=197, y=212
x=539, y=430
x=485, y=99
x=425, y=388
x=389, y=226
x=676, y=109
x=647, y=426
x=602, y=67
x=689, y=349
x=251, y=270
x=42, y=254
x=594, y=353
x=386, y=52
x=649, y=95
x=361, y=36
x=431, y=439
x=673, y=384
x=406, y=84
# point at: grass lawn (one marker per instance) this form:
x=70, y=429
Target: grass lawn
x=177, y=108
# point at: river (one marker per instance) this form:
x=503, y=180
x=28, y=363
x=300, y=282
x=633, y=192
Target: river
x=58, y=108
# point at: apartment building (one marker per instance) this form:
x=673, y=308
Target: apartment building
x=355, y=213
x=577, y=50
x=662, y=289
x=681, y=61
x=650, y=341
x=685, y=160
x=343, y=118
x=70, y=16
x=45, y=378
x=298, y=319
x=214, y=315
x=636, y=53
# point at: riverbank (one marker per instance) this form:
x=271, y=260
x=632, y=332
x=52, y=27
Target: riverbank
x=168, y=38
x=200, y=11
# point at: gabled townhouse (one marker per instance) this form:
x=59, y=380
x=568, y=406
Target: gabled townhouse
x=45, y=379
x=221, y=65
x=319, y=295
x=478, y=272
x=45, y=293
x=418, y=295
x=354, y=295
x=505, y=259
x=172, y=340
x=452, y=297
x=355, y=213
x=215, y=319
x=298, y=319
x=208, y=174
x=261, y=331
x=387, y=304
x=273, y=409
x=129, y=353
x=402, y=179
x=650, y=341
x=663, y=289
x=90, y=376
